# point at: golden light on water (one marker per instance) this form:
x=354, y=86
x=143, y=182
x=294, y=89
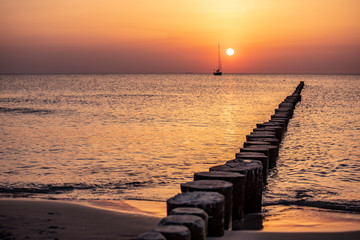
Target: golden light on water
x=308, y=219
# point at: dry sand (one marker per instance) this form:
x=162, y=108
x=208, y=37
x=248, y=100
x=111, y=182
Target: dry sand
x=53, y=219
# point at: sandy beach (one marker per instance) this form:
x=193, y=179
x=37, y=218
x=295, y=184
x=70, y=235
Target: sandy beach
x=41, y=219
x=53, y=219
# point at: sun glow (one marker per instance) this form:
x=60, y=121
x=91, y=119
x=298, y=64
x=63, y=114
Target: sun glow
x=230, y=51
x=142, y=37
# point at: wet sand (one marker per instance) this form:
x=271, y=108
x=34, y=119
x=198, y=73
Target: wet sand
x=41, y=219
x=53, y=219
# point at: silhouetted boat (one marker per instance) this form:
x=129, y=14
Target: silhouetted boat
x=218, y=71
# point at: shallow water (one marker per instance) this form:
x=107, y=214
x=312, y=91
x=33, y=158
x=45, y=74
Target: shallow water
x=319, y=162
x=140, y=136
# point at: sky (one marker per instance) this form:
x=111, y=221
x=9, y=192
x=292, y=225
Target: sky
x=179, y=36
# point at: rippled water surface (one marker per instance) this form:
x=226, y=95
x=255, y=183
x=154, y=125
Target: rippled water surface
x=140, y=136
x=319, y=162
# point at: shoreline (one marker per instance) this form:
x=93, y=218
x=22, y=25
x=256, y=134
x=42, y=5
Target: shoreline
x=140, y=207
x=125, y=219
x=57, y=219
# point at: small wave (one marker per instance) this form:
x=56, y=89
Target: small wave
x=59, y=189
x=310, y=193
x=138, y=95
x=16, y=100
x=43, y=190
x=139, y=184
x=138, y=198
x=346, y=207
x=25, y=110
x=125, y=185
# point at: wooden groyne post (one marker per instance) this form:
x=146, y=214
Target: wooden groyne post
x=208, y=204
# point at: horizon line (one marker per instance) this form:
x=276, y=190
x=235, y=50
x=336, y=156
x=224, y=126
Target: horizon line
x=83, y=73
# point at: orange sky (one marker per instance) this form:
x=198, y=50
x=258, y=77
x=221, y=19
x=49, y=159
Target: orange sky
x=142, y=36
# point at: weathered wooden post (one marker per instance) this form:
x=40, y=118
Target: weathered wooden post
x=249, y=143
x=151, y=236
x=267, y=151
x=174, y=232
x=253, y=182
x=260, y=135
x=195, y=224
x=238, y=181
x=288, y=105
x=223, y=187
x=281, y=115
x=279, y=122
x=273, y=152
x=287, y=110
x=192, y=211
x=213, y=203
x=279, y=131
x=272, y=141
x=275, y=129
x=264, y=133
x=252, y=155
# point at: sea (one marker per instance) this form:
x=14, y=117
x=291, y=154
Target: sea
x=138, y=136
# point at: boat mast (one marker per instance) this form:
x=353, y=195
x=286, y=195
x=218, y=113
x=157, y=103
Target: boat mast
x=219, y=60
x=218, y=71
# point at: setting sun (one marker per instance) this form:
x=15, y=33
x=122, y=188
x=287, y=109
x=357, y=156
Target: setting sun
x=230, y=51
x=140, y=37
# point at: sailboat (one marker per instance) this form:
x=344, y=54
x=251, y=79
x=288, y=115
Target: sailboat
x=218, y=71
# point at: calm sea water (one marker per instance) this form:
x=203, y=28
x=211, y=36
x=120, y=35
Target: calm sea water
x=140, y=136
